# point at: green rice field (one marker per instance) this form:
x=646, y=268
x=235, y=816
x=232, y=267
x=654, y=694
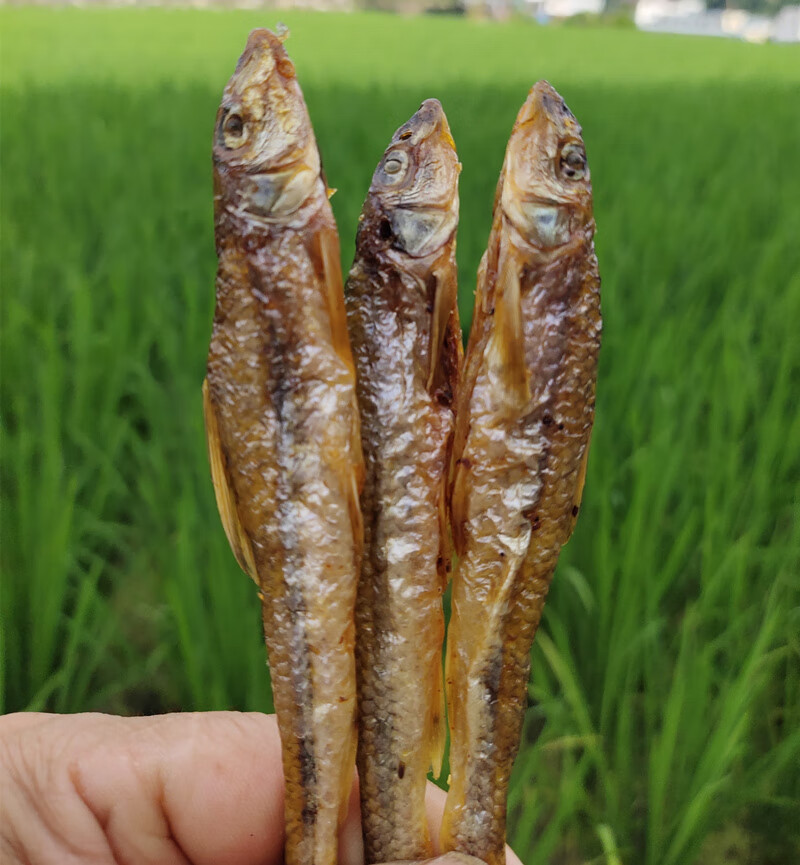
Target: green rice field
x=664, y=720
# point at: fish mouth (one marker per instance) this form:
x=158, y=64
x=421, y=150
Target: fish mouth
x=434, y=118
x=264, y=78
x=261, y=54
x=543, y=102
x=262, y=38
x=429, y=121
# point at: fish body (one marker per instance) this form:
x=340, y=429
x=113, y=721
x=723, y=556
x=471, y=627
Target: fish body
x=406, y=338
x=282, y=426
x=524, y=417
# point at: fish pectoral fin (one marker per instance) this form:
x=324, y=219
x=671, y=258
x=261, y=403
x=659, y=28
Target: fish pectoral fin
x=445, y=558
x=446, y=348
x=352, y=490
x=506, y=349
x=437, y=723
x=576, y=501
x=326, y=250
x=437, y=726
x=348, y=772
x=226, y=502
x=458, y=506
x=354, y=483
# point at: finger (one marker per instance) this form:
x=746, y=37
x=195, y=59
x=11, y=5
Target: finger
x=21, y=721
x=210, y=782
x=452, y=858
x=44, y=819
x=204, y=788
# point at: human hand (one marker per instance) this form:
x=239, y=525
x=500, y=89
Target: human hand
x=203, y=788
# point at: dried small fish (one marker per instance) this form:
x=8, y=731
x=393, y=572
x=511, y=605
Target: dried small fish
x=523, y=422
x=406, y=338
x=282, y=426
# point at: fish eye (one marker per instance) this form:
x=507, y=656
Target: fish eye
x=286, y=67
x=573, y=162
x=394, y=167
x=233, y=130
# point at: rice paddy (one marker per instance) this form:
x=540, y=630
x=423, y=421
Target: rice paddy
x=665, y=694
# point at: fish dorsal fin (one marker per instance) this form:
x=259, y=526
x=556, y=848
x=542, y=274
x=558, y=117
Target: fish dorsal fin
x=226, y=503
x=506, y=349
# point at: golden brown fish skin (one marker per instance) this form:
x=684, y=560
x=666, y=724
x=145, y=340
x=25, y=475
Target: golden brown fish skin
x=406, y=338
x=523, y=423
x=280, y=402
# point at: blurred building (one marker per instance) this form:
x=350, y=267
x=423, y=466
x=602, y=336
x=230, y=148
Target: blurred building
x=657, y=14
x=786, y=25
x=691, y=18
x=568, y=8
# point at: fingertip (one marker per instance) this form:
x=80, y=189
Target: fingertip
x=434, y=803
x=455, y=858
x=223, y=787
x=351, y=841
x=511, y=857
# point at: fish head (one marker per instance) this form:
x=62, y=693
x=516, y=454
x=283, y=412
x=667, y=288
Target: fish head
x=416, y=183
x=546, y=186
x=266, y=159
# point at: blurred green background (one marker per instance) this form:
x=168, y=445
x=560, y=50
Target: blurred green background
x=665, y=699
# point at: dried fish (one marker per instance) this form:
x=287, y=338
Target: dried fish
x=282, y=426
x=523, y=422
x=406, y=338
